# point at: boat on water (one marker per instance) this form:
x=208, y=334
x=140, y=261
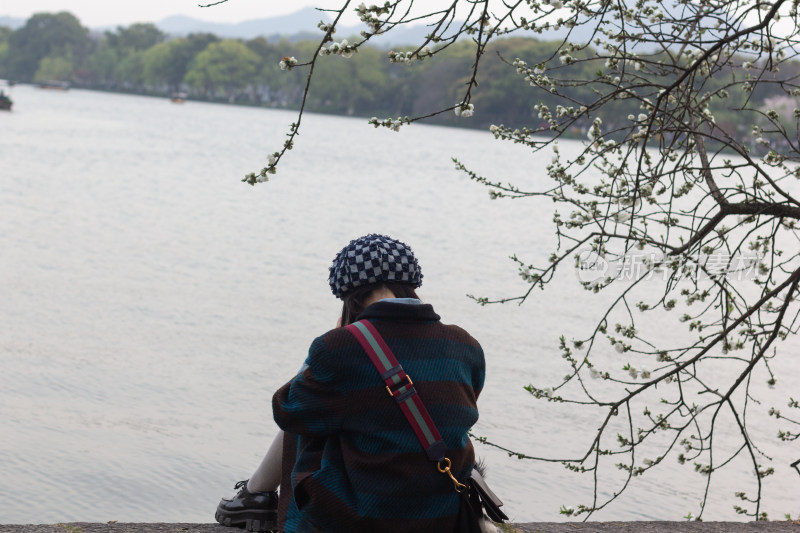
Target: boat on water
x=178, y=98
x=54, y=85
x=5, y=101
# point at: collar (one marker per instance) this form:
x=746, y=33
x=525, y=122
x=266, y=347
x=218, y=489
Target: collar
x=411, y=301
x=399, y=311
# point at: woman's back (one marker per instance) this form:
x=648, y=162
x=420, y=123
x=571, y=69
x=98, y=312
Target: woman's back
x=354, y=463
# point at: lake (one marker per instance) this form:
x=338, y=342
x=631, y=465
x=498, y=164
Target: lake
x=150, y=304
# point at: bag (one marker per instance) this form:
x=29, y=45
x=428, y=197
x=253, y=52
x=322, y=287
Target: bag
x=479, y=507
x=488, y=500
x=470, y=514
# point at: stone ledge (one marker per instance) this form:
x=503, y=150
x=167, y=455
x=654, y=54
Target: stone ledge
x=533, y=527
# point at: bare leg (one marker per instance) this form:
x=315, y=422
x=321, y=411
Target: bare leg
x=267, y=477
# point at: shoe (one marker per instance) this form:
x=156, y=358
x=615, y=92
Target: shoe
x=252, y=511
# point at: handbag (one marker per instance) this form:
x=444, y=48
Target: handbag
x=476, y=496
x=489, y=500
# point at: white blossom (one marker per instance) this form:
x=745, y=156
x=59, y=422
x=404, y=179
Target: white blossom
x=287, y=63
x=464, y=110
x=621, y=216
x=594, y=130
x=344, y=49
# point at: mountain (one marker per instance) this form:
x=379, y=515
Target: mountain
x=12, y=22
x=295, y=26
x=304, y=20
x=302, y=25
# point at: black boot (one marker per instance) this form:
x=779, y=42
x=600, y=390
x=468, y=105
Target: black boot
x=253, y=511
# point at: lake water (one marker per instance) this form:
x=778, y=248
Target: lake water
x=150, y=304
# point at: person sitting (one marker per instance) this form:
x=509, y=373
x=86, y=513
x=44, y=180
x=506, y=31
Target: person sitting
x=347, y=458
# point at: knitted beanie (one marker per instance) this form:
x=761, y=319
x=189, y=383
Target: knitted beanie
x=373, y=259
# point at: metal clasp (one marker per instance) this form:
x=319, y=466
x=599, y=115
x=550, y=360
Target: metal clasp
x=457, y=485
x=409, y=384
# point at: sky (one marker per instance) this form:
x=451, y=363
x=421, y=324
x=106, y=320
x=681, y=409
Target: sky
x=94, y=13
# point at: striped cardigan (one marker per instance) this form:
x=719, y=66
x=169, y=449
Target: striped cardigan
x=351, y=461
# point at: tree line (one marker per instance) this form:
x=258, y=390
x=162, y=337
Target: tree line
x=142, y=59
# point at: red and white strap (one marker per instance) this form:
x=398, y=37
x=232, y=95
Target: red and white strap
x=401, y=388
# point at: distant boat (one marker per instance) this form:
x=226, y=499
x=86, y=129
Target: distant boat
x=54, y=84
x=178, y=98
x=5, y=102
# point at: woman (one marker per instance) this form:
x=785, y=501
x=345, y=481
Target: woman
x=351, y=460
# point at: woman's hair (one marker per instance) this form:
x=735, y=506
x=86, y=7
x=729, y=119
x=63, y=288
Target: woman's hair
x=353, y=300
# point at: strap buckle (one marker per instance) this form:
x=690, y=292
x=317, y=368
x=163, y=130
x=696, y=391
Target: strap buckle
x=395, y=393
x=457, y=485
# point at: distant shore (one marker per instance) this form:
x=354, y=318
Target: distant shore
x=532, y=527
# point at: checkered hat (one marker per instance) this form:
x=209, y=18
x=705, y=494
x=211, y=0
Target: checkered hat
x=373, y=259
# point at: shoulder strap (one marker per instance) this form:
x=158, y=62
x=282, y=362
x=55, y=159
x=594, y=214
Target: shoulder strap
x=401, y=388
